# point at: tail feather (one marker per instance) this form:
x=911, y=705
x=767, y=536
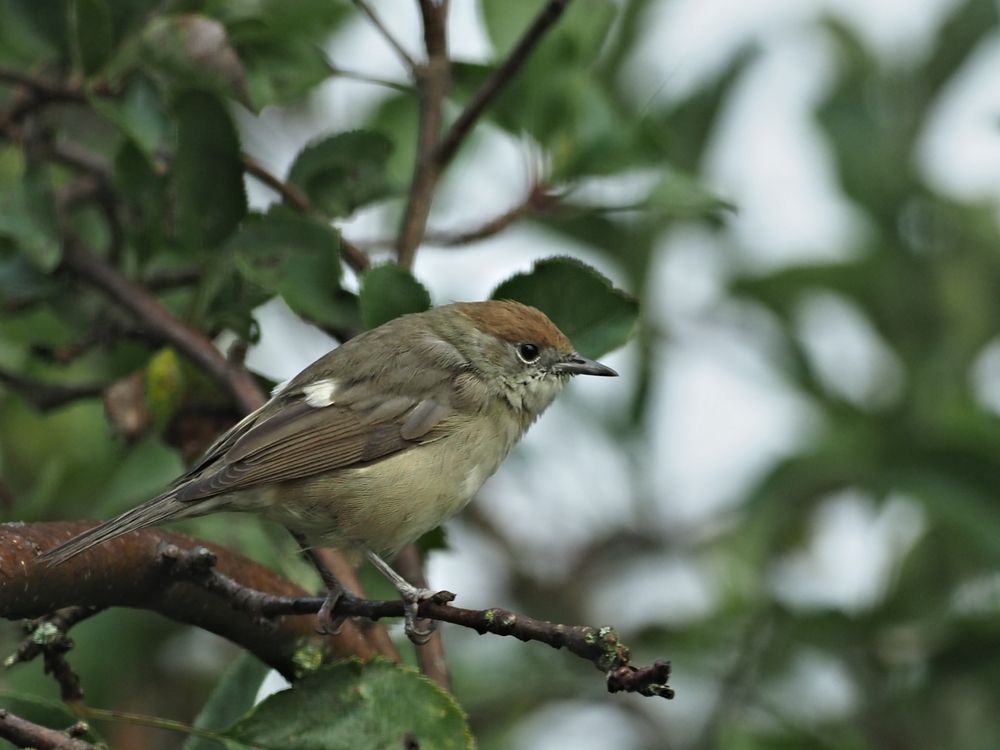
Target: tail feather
x=150, y=513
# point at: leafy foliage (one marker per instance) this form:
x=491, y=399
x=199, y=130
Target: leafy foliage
x=388, y=291
x=343, y=172
x=143, y=155
x=355, y=705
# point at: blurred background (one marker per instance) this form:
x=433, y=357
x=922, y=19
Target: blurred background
x=792, y=492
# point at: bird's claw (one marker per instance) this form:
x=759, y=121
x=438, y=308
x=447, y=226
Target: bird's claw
x=411, y=604
x=327, y=622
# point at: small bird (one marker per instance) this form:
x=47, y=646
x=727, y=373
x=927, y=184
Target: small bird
x=380, y=440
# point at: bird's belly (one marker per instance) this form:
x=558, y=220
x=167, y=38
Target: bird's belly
x=387, y=504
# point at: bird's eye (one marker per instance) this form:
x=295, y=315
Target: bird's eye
x=528, y=353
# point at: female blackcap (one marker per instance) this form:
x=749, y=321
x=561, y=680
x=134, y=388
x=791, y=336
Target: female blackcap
x=380, y=440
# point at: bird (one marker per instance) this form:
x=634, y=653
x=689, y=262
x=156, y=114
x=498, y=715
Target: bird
x=378, y=441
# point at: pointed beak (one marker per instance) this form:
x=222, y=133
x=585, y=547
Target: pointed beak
x=574, y=364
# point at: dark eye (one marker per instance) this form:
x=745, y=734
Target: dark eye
x=528, y=353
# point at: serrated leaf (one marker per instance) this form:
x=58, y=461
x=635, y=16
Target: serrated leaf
x=298, y=258
x=46, y=713
x=344, y=171
x=233, y=696
x=580, y=301
x=354, y=705
x=208, y=171
x=389, y=291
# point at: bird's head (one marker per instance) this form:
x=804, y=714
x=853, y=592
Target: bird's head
x=518, y=350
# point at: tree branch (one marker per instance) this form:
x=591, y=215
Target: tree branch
x=209, y=587
x=23, y=733
x=408, y=61
x=51, y=90
x=130, y=572
x=538, y=201
x=502, y=76
x=433, y=82
x=292, y=195
x=147, y=309
x=601, y=646
x=46, y=396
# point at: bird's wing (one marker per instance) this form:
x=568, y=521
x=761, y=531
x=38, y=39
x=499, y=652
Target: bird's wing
x=300, y=440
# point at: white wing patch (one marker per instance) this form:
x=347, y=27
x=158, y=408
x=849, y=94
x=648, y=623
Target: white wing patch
x=320, y=394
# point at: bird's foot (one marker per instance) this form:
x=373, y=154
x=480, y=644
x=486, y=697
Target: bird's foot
x=418, y=632
x=328, y=623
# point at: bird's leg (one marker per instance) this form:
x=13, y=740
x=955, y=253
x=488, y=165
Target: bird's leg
x=412, y=596
x=329, y=624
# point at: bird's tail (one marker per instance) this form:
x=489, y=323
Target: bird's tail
x=159, y=509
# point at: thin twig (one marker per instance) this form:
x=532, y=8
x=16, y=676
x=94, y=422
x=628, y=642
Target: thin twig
x=353, y=75
x=289, y=192
x=43, y=630
x=386, y=34
x=354, y=256
x=601, y=646
x=539, y=200
x=50, y=90
x=146, y=308
x=500, y=78
x=46, y=396
x=433, y=82
x=23, y=733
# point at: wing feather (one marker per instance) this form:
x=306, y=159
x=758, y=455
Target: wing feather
x=300, y=440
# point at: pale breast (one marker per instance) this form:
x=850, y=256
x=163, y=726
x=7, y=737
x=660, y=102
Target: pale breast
x=387, y=504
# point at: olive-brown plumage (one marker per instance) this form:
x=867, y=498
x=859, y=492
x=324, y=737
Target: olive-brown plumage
x=381, y=439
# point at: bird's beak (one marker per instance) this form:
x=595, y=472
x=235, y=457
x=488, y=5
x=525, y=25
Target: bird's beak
x=574, y=364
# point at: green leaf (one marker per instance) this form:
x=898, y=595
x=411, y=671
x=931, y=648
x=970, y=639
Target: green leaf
x=46, y=713
x=139, y=114
x=208, y=171
x=90, y=22
x=680, y=194
x=283, y=71
x=143, y=193
x=298, y=258
x=389, y=291
x=505, y=22
x=233, y=696
x=581, y=29
x=194, y=51
x=344, y=171
x=27, y=217
x=21, y=282
x=22, y=42
x=587, y=308
x=355, y=705
x=399, y=115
